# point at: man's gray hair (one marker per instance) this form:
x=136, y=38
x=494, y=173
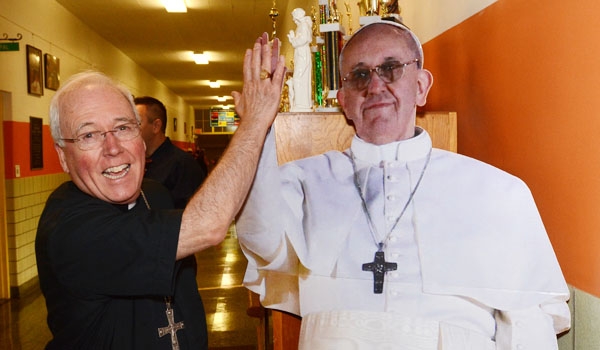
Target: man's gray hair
x=75, y=83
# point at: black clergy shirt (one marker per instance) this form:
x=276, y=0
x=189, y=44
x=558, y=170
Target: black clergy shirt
x=177, y=170
x=105, y=270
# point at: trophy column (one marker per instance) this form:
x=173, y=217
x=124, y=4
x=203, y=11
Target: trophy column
x=333, y=35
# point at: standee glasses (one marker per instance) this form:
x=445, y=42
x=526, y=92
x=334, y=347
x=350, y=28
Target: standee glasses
x=389, y=72
x=92, y=139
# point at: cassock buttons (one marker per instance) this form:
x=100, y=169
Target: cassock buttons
x=392, y=178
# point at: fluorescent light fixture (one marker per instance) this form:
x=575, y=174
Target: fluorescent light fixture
x=177, y=6
x=225, y=107
x=214, y=84
x=200, y=58
x=221, y=98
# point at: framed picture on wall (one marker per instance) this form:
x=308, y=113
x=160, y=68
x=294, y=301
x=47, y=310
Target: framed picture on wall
x=34, y=71
x=52, y=72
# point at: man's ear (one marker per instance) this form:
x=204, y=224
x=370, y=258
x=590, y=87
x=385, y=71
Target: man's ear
x=157, y=125
x=341, y=97
x=424, y=82
x=61, y=158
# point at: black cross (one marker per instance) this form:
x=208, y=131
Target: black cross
x=379, y=267
x=172, y=328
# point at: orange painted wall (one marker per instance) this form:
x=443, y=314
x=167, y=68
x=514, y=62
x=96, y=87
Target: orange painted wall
x=17, y=151
x=524, y=77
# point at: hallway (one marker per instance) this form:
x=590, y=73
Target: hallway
x=220, y=273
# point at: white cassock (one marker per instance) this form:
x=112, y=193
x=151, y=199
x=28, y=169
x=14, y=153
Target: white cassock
x=475, y=267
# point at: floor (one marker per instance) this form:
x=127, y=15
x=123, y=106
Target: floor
x=220, y=273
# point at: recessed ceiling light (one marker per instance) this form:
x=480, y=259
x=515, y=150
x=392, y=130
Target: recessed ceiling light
x=177, y=6
x=221, y=98
x=200, y=58
x=214, y=84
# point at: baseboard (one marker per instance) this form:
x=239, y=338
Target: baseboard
x=30, y=287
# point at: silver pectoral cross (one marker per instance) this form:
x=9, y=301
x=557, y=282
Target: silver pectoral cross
x=172, y=328
x=379, y=267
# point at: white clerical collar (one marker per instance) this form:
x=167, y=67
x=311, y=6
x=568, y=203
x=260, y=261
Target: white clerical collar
x=411, y=149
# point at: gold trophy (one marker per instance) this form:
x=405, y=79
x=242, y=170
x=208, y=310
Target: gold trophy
x=368, y=7
x=334, y=14
x=349, y=14
x=393, y=8
x=362, y=8
x=273, y=14
x=315, y=22
x=372, y=7
x=383, y=8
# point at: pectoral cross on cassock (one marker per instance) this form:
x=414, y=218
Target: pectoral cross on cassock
x=172, y=328
x=379, y=267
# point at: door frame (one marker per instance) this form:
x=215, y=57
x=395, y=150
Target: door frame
x=5, y=103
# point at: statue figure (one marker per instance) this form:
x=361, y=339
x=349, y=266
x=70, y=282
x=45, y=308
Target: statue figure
x=302, y=77
x=289, y=88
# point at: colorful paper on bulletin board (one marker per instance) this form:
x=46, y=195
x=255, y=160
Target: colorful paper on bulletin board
x=223, y=118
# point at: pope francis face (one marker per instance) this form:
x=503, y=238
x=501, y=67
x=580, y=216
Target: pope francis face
x=103, y=150
x=383, y=84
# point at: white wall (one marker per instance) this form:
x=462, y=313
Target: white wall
x=429, y=18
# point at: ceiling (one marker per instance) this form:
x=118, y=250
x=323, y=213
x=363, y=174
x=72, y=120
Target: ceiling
x=162, y=42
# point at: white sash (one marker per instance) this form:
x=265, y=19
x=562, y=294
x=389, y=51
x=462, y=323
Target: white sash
x=361, y=330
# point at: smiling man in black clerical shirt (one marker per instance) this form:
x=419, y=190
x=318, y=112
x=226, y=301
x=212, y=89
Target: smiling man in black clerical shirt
x=115, y=260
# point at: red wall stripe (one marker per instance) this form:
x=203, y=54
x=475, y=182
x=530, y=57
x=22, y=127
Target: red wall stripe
x=17, y=151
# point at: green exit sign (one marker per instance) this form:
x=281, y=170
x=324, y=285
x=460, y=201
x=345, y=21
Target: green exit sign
x=9, y=46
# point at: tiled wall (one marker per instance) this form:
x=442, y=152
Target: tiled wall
x=25, y=199
x=585, y=320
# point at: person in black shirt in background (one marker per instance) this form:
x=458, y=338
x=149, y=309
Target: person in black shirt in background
x=166, y=163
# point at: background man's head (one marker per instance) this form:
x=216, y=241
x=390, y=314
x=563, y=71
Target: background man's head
x=153, y=116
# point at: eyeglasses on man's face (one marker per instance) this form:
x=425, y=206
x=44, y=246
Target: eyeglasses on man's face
x=89, y=139
x=359, y=78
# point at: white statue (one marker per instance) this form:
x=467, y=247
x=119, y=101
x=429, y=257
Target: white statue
x=291, y=97
x=302, y=78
